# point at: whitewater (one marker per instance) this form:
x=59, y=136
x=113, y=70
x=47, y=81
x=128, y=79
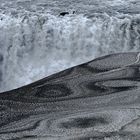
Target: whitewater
x=35, y=41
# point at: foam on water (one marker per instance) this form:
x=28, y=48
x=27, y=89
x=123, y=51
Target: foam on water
x=33, y=46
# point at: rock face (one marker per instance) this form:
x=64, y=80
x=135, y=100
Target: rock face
x=98, y=100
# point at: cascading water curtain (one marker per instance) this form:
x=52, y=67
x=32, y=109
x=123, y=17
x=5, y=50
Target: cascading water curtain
x=34, y=46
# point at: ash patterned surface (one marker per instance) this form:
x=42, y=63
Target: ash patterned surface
x=98, y=100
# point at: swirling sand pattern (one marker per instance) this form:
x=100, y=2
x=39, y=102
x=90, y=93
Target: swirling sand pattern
x=98, y=100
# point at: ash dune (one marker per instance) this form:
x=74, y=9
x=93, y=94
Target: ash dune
x=97, y=100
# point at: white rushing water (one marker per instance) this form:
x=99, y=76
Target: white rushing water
x=34, y=45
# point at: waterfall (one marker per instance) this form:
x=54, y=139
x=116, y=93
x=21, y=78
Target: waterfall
x=33, y=46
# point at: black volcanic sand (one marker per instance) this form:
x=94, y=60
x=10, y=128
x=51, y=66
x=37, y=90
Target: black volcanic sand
x=98, y=100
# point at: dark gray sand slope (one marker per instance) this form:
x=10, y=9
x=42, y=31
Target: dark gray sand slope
x=99, y=100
